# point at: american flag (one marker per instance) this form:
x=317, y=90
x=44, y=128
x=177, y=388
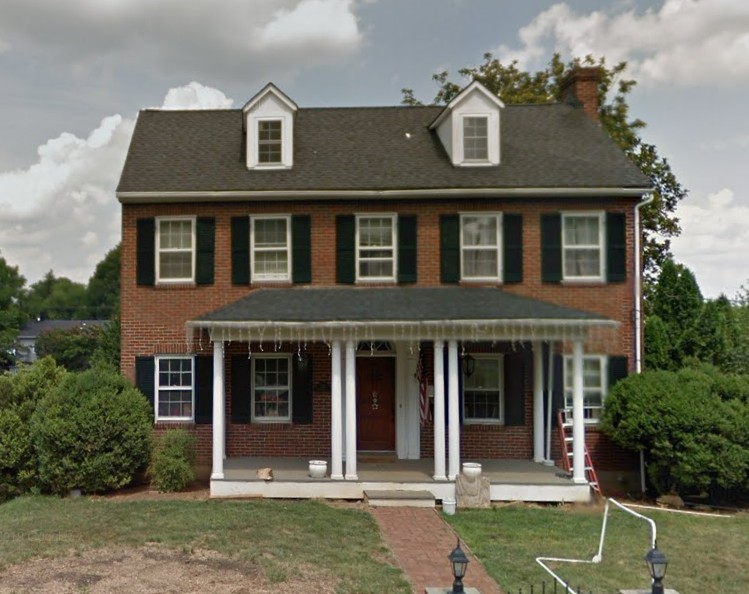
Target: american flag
x=421, y=376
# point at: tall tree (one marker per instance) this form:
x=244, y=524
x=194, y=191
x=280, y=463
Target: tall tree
x=513, y=85
x=11, y=315
x=103, y=291
x=54, y=298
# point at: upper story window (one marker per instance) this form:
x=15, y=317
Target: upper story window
x=269, y=141
x=376, y=247
x=175, y=248
x=174, y=389
x=271, y=388
x=482, y=390
x=594, y=385
x=582, y=246
x=480, y=246
x=270, y=249
x=475, y=138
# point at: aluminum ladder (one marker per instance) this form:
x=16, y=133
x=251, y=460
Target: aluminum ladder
x=564, y=418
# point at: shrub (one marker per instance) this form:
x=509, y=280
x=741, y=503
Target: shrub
x=92, y=432
x=173, y=466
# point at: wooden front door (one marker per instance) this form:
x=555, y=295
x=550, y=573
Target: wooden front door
x=375, y=403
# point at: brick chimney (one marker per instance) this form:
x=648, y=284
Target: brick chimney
x=580, y=88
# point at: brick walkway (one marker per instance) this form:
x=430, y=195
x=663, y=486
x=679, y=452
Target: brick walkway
x=421, y=541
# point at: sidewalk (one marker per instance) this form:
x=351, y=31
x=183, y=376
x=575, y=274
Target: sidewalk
x=421, y=541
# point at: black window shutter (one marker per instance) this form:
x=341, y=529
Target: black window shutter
x=240, y=250
x=301, y=249
x=345, y=249
x=551, y=248
x=512, y=248
x=618, y=369
x=204, y=258
x=145, y=377
x=616, y=247
x=241, y=399
x=145, y=252
x=203, y=390
x=514, y=368
x=450, y=248
x=301, y=389
x=407, y=248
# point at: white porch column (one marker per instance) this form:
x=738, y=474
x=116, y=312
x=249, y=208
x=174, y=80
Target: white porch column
x=336, y=425
x=453, y=410
x=538, y=401
x=351, y=411
x=439, y=411
x=578, y=423
x=219, y=397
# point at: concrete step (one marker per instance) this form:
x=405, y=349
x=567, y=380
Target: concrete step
x=398, y=498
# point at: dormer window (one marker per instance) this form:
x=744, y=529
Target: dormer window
x=269, y=127
x=475, y=138
x=269, y=141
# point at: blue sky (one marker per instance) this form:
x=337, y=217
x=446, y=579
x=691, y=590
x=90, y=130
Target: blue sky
x=73, y=76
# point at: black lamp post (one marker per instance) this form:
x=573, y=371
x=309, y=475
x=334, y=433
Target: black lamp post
x=657, y=564
x=459, y=563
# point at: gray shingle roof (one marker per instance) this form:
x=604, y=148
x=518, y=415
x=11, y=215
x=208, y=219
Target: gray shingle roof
x=542, y=146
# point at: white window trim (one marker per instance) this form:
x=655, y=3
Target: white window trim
x=487, y=119
x=497, y=248
x=500, y=359
x=601, y=277
x=158, y=250
x=256, y=419
x=275, y=164
x=158, y=388
x=604, y=366
x=377, y=279
x=287, y=141
x=258, y=277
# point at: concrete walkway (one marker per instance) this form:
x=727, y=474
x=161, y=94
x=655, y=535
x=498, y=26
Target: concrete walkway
x=421, y=541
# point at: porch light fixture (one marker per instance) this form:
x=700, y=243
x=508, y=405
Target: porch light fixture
x=459, y=563
x=657, y=563
x=469, y=365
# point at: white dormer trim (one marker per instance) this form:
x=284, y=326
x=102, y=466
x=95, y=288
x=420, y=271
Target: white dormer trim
x=475, y=101
x=269, y=105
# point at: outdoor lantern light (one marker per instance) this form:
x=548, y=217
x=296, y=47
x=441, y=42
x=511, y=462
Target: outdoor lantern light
x=657, y=564
x=469, y=365
x=459, y=562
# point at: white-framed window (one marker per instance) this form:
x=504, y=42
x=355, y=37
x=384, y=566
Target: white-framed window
x=483, y=390
x=270, y=248
x=480, y=246
x=582, y=246
x=175, y=394
x=270, y=142
x=475, y=138
x=271, y=388
x=595, y=385
x=376, y=247
x=175, y=249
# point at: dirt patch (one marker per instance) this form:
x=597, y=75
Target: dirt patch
x=152, y=570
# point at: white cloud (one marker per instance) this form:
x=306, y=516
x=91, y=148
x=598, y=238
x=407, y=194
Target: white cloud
x=196, y=96
x=685, y=42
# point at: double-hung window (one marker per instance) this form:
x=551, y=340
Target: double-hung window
x=271, y=388
x=482, y=390
x=269, y=142
x=480, y=246
x=174, y=388
x=175, y=248
x=582, y=246
x=475, y=138
x=376, y=247
x=270, y=248
x=594, y=385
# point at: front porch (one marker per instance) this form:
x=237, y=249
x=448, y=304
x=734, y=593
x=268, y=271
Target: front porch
x=510, y=480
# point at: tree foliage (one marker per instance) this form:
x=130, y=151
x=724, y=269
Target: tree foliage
x=72, y=348
x=56, y=298
x=11, y=314
x=103, y=291
x=514, y=85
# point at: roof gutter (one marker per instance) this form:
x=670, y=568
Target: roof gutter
x=444, y=193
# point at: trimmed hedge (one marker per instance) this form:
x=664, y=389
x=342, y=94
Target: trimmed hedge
x=173, y=466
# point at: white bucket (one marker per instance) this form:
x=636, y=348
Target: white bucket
x=448, y=507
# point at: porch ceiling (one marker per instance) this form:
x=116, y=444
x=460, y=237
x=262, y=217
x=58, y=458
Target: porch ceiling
x=464, y=313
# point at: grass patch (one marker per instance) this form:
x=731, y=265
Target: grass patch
x=705, y=554
x=282, y=538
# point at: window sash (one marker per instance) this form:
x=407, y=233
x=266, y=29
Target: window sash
x=271, y=388
x=175, y=249
x=480, y=246
x=475, y=138
x=375, y=248
x=175, y=394
x=595, y=385
x=483, y=391
x=270, y=256
x=269, y=141
x=582, y=246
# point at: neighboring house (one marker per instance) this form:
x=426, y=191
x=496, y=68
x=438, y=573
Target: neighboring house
x=27, y=336
x=286, y=271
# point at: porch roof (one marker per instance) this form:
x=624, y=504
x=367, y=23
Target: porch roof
x=396, y=312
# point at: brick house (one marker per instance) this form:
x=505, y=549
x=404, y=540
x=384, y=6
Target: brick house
x=424, y=281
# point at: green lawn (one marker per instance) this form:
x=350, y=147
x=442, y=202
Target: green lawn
x=705, y=554
x=278, y=537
